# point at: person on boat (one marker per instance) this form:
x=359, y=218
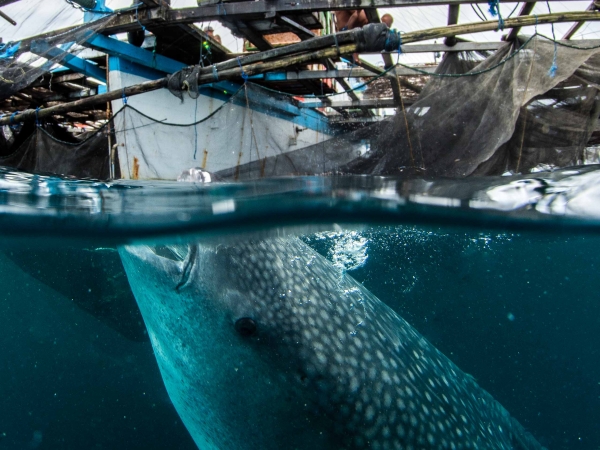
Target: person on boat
x=350, y=19
x=211, y=34
x=387, y=19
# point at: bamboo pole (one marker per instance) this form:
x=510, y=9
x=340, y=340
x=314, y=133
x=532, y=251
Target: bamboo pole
x=490, y=25
x=228, y=69
x=153, y=85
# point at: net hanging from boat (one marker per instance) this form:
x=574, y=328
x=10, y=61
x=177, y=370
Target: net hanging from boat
x=507, y=112
x=23, y=63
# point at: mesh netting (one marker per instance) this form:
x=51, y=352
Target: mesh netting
x=21, y=63
x=530, y=103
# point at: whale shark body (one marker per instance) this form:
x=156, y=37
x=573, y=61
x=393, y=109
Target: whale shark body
x=264, y=344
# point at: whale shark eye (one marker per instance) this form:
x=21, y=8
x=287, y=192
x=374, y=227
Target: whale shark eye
x=245, y=326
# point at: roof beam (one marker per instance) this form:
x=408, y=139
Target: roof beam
x=253, y=36
x=299, y=30
x=453, y=11
x=134, y=54
x=66, y=59
x=258, y=9
x=525, y=11
x=576, y=26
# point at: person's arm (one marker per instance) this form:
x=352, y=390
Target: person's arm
x=354, y=19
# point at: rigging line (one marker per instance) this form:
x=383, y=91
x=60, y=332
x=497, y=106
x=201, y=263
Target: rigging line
x=524, y=94
x=483, y=19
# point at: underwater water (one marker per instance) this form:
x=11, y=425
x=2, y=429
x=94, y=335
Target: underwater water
x=499, y=275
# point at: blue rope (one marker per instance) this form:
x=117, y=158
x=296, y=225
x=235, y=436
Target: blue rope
x=124, y=97
x=37, y=119
x=219, y=8
x=12, y=120
x=215, y=74
x=244, y=74
x=554, y=66
x=136, y=16
x=495, y=11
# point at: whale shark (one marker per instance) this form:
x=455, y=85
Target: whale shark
x=265, y=344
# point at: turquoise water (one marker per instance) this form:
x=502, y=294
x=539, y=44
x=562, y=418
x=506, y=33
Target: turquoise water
x=498, y=274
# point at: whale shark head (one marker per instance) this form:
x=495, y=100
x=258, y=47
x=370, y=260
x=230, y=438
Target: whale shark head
x=265, y=344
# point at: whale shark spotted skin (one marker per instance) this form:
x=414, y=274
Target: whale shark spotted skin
x=264, y=344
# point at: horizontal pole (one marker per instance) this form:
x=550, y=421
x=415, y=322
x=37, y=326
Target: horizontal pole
x=261, y=67
x=338, y=73
x=490, y=25
x=258, y=9
x=348, y=104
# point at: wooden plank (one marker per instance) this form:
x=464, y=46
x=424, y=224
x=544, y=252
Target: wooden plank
x=576, y=26
x=525, y=11
x=299, y=30
x=253, y=36
x=258, y=9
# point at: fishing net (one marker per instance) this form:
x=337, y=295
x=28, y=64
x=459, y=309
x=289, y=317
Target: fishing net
x=531, y=105
x=49, y=148
x=532, y=102
x=24, y=62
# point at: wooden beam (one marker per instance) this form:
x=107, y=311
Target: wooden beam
x=257, y=10
x=200, y=35
x=7, y=18
x=525, y=11
x=453, y=11
x=337, y=73
x=348, y=104
x=576, y=26
x=302, y=32
x=491, y=25
x=458, y=47
x=253, y=36
x=308, y=56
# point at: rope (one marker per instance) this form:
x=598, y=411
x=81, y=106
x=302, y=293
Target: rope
x=123, y=97
x=525, y=112
x=481, y=17
x=495, y=11
x=215, y=74
x=136, y=17
x=554, y=66
x=244, y=74
x=337, y=46
x=37, y=119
